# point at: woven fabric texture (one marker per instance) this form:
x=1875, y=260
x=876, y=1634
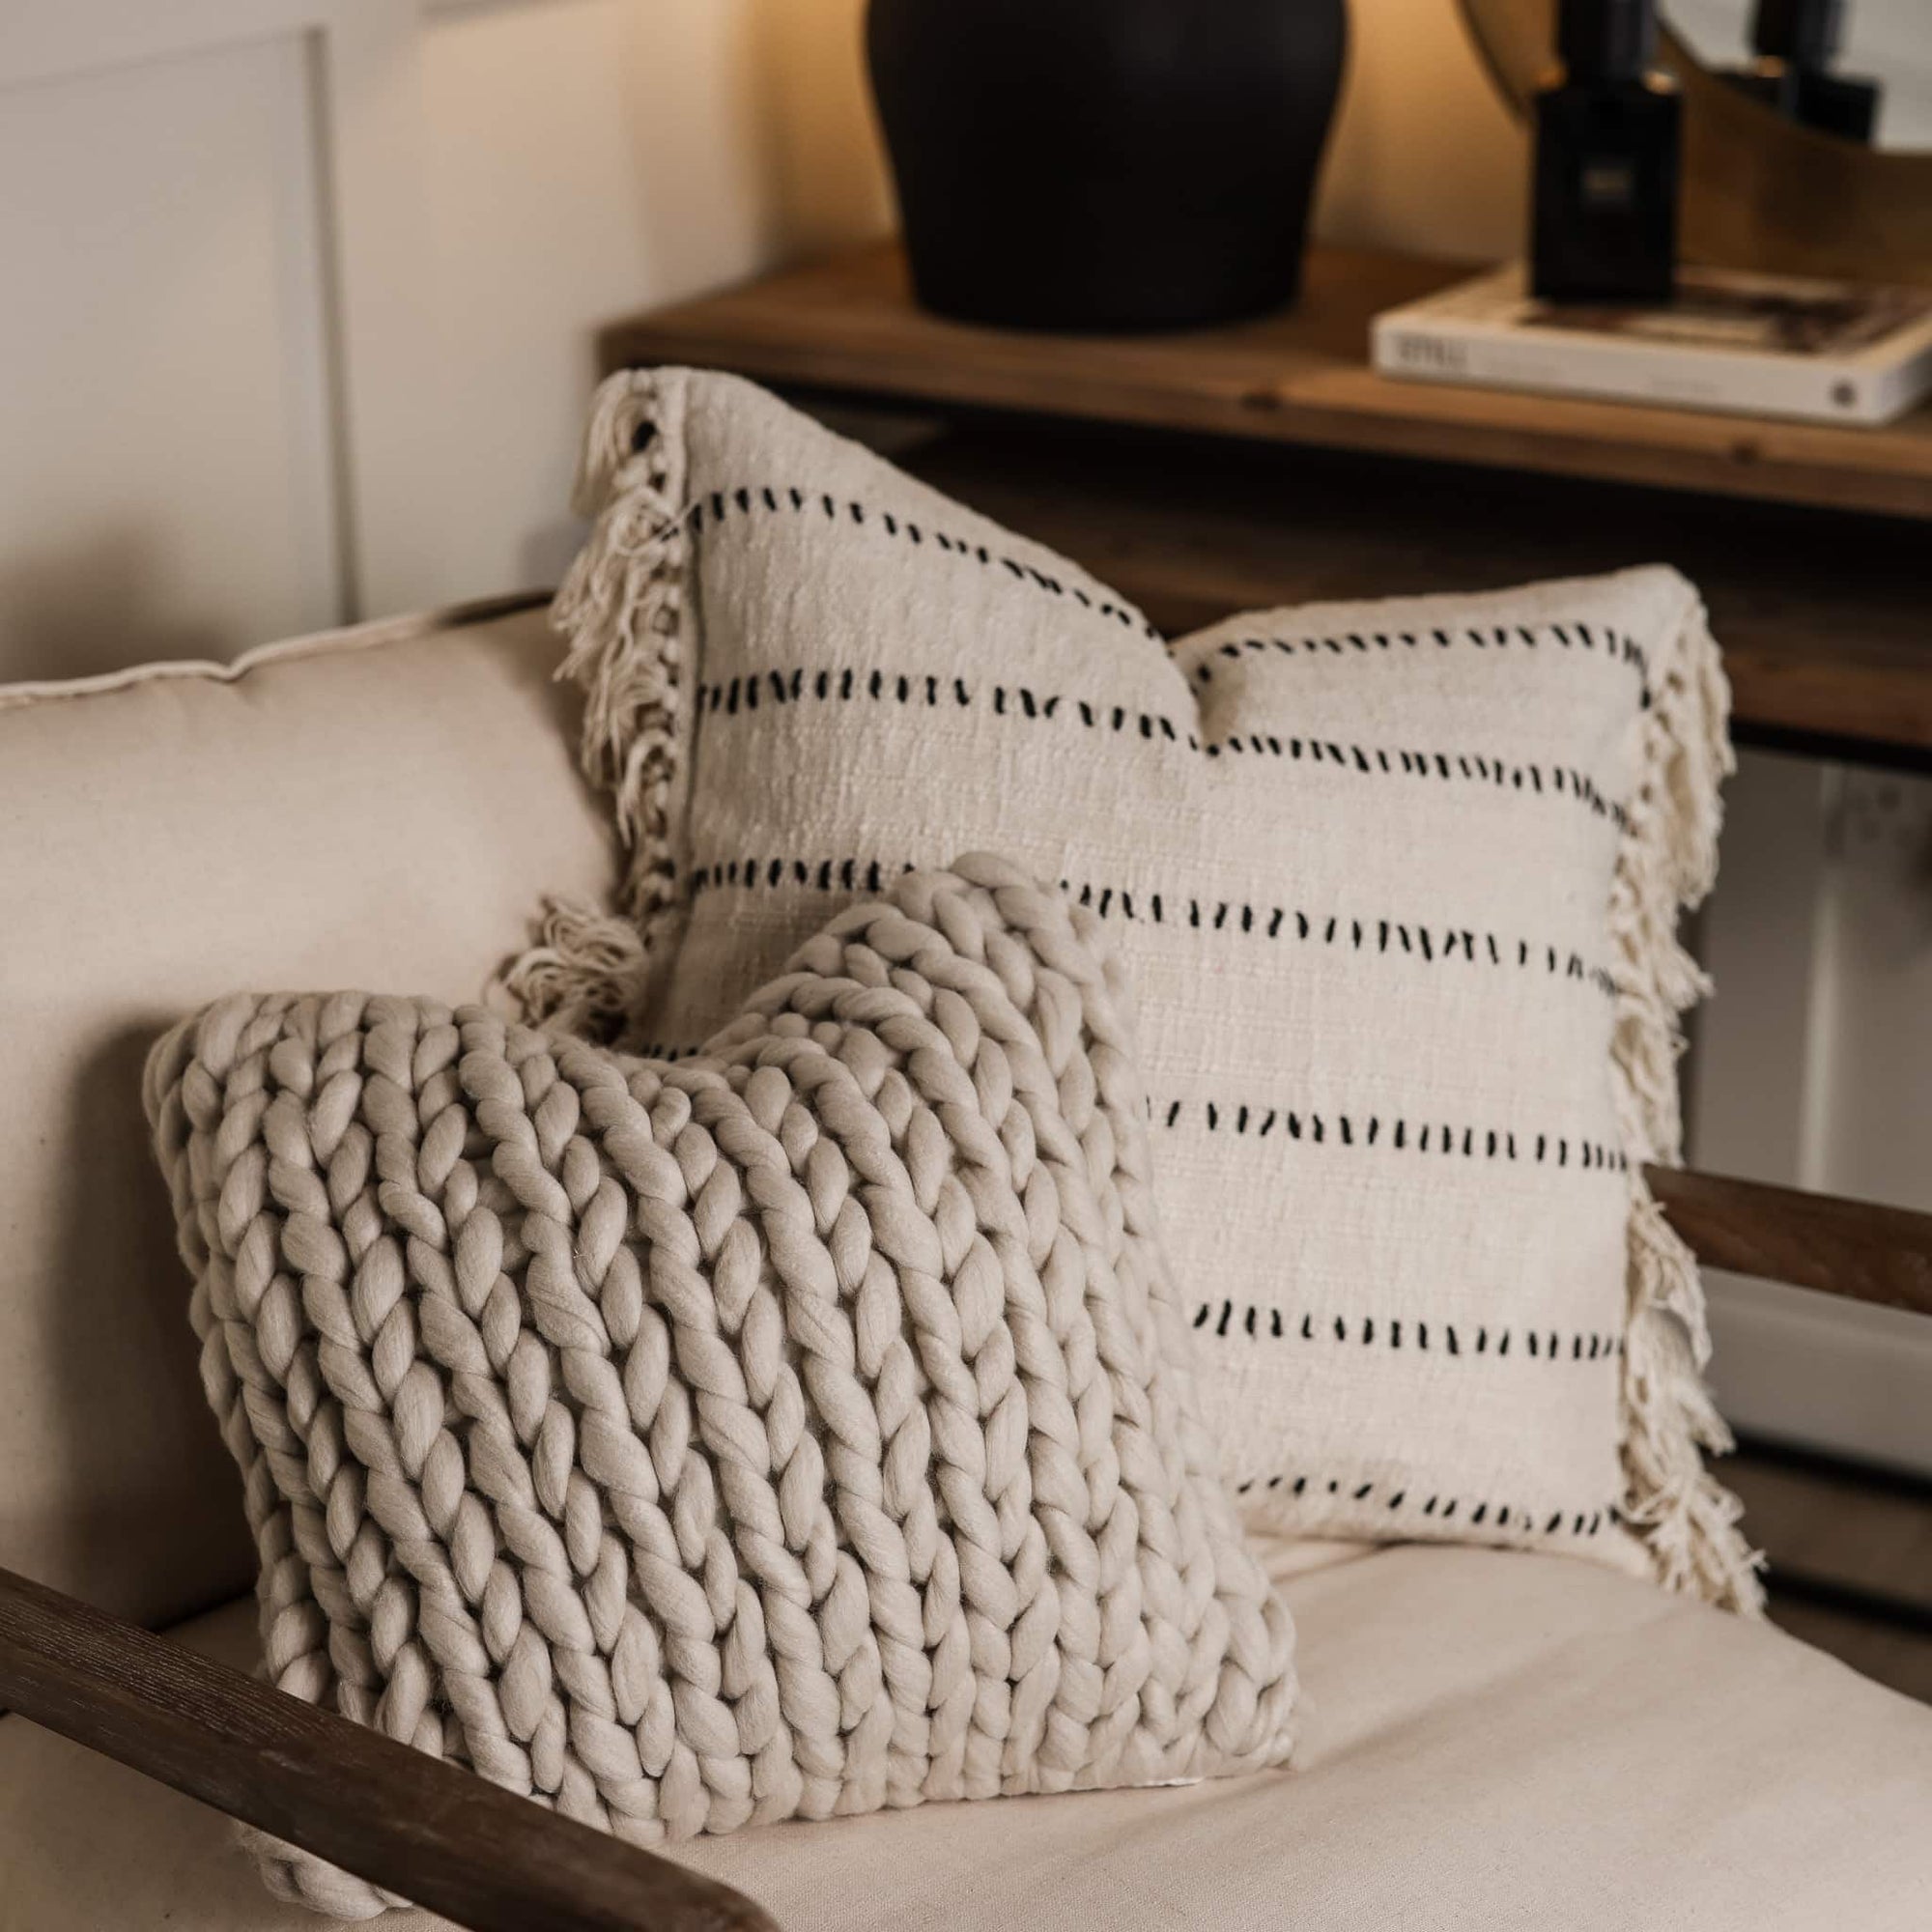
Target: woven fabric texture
x=1396, y=883
x=798, y=1430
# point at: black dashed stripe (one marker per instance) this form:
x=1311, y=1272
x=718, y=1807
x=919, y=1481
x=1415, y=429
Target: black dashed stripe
x=1529, y=779
x=745, y=502
x=1610, y=646
x=1399, y=1332
x=1445, y=1508
x=1364, y=1131
x=1378, y=935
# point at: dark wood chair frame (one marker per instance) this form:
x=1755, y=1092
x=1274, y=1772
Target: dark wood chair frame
x=496, y=1863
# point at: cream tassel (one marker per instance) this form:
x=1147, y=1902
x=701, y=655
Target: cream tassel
x=623, y=611
x=585, y=975
x=1669, y=861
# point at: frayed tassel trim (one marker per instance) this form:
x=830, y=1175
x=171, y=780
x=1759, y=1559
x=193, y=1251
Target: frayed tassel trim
x=585, y=975
x=1673, y=1503
x=622, y=611
x=1686, y=1521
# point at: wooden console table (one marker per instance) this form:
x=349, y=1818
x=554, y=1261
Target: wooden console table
x=1265, y=463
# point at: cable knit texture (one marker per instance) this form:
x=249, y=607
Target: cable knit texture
x=795, y=1431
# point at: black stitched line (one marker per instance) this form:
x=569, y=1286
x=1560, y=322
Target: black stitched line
x=1566, y=1523
x=1614, y=646
x=1361, y=935
x=1402, y=1332
x=1418, y=1136
x=1564, y=780
x=825, y=875
x=1362, y=1133
x=720, y=506
x=1447, y=765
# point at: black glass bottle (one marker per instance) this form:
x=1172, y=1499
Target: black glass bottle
x=1604, y=227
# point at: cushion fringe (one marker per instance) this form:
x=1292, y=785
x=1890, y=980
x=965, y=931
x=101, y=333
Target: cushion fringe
x=622, y=611
x=1668, y=861
x=586, y=974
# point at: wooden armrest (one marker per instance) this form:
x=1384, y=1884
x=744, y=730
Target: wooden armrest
x=440, y=1836
x=1854, y=1248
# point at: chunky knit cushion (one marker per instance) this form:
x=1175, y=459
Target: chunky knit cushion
x=803, y=1428
x=1395, y=884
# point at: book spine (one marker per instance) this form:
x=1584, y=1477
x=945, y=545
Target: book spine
x=1807, y=389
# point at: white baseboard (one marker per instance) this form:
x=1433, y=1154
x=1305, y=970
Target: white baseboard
x=1829, y=1375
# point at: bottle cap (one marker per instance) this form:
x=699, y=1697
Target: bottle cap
x=1608, y=39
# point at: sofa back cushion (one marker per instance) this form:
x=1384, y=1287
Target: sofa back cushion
x=383, y=806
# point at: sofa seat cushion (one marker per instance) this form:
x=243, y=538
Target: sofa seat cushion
x=1490, y=1739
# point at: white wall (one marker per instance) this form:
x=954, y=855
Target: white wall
x=300, y=314
x=303, y=294
x=585, y=160
x=1424, y=156
x=164, y=442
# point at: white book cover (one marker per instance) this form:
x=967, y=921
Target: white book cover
x=1757, y=345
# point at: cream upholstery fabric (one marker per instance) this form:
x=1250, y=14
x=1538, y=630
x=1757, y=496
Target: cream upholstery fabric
x=801, y=1431
x=1491, y=1741
x=383, y=805
x=1395, y=883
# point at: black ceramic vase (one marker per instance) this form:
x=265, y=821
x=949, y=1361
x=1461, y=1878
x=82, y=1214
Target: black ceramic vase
x=1106, y=164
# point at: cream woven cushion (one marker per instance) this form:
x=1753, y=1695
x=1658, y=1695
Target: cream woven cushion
x=1396, y=885
x=800, y=1430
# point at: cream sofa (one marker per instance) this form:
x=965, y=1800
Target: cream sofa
x=1488, y=1740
